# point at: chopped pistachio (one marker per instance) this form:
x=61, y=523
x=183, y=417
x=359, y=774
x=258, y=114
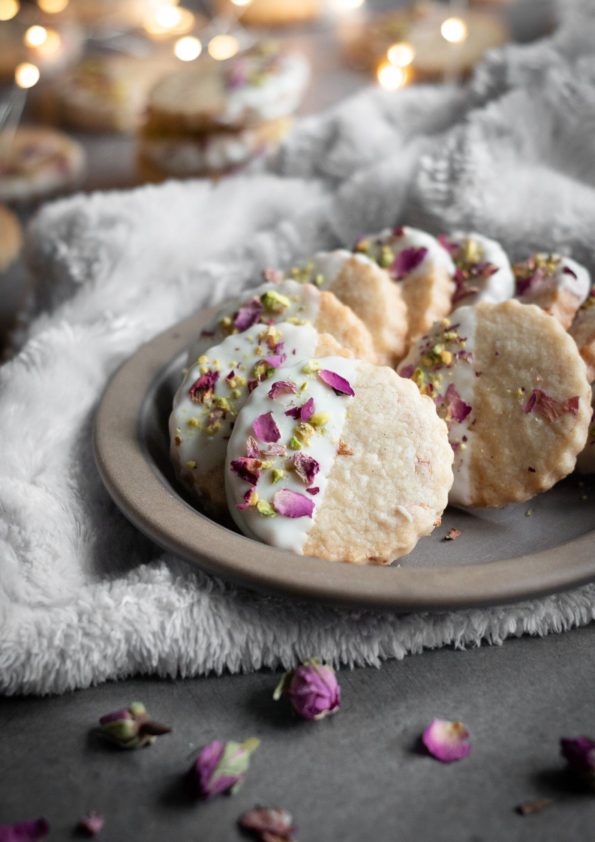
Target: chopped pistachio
x=274, y=302
x=264, y=508
x=191, y=465
x=319, y=419
x=193, y=422
x=304, y=432
x=311, y=366
x=294, y=443
x=277, y=474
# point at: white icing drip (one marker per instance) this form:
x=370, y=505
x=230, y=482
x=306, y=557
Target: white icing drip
x=497, y=287
x=324, y=267
x=461, y=374
x=279, y=531
x=278, y=95
x=304, y=306
x=436, y=258
x=238, y=353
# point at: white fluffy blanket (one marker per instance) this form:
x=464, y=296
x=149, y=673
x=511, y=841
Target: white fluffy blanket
x=83, y=596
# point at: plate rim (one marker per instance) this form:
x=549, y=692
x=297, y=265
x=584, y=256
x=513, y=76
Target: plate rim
x=135, y=486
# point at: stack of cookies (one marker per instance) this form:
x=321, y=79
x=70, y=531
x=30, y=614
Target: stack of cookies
x=337, y=408
x=214, y=116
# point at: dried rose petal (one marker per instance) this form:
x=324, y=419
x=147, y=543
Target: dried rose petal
x=568, y=271
x=306, y=467
x=407, y=371
x=131, y=727
x=303, y=412
x=549, y=408
x=398, y=231
x=248, y=314
x=312, y=689
x=91, y=824
x=313, y=490
x=265, y=428
x=338, y=384
x=203, y=388
x=282, y=387
x=579, y=752
x=272, y=276
x=407, y=260
x=447, y=244
x=250, y=499
x=272, y=820
x=273, y=449
x=252, y=448
x=275, y=360
x=221, y=767
x=24, y=831
x=247, y=469
x=446, y=741
x=292, y=504
x=458, y=410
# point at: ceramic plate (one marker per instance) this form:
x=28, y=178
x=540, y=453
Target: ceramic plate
x=502, y=555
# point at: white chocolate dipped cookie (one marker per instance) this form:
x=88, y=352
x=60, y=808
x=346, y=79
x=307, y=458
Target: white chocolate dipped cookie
x=292, y=302
x=36, y=162
x=338, y=459
x=583, y=333
x=367, y=289
x=216, y=387
x=512, y=388
x=557, y=284
x=260, y=85
x=422, y=269
x=483, y=271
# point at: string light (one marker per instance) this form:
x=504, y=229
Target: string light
x=188, y=48
x=8, y=9
x=454, y=30
x=401, y=54
x=52, y=7
x=26, y=75
x=167, y=19
x=35, y=36
x=391, y=77
x=222, y=47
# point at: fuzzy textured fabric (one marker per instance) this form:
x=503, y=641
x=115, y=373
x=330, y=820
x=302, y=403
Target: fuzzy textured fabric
x=83, y=596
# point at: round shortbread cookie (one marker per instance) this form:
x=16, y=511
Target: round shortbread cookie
x=483, y=271
x=367, y=289
x=338, y=459
x=422, y=269
x=210, y=154
x=11, y=238
x=557, y=284
x=583, y=333
x=292, y=302
x=36, y=162
x=272, y=12
x=216, y=387
x=512, y=388
x=585, y=464
x=260, y=85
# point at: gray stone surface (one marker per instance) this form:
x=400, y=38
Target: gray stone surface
x=356, y=775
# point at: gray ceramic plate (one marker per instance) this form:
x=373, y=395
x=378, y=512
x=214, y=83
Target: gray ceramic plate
x=501, y=556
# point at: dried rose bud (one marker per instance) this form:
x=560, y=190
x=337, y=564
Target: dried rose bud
x=580, y=755
x=221, y=767
x=268, y=823
x=91, y=824
x=312, y=689
x=446, y=741
x=24, y=831
x=131, y=727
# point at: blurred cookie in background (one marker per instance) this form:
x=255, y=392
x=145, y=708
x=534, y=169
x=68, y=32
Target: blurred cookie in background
x=11, y=238
x=271, y=12
x=32, y=37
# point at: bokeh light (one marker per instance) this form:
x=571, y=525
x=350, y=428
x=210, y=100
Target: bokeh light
x=241, y=2
x=222, y=47
x=8, y=9
x=35, y=36
x=52, y=7
x=26, y=75
x=401, y=54
x=453, y=30
x=391, y=77
x=188, y=48
x=167, y=20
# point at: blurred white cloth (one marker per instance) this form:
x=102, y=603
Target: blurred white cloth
x=83, y=596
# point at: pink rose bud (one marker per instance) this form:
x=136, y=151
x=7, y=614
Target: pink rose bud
x=312, y=689
x=268, y=823
x=91, y=824
x=24, y=831
x=221, y=767
x=580, y=755
x=131, y=727
x=446, y=741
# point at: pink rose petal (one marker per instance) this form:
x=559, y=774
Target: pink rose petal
x=458, y=410
x=282, y=387
x=313, y=490
x=407, y=260
x=549, y=408
x=268, y=822
x=306, y=467
x=265, y=428
x=407, y=370
x=292, y=504
x=249, y=500
x=338, y=384
x=92, y=824
x=275, y=360
x=203, y=388
x=247, y=469
x=248, y=314
x=303, y=412
x=252, y=448
x=446, y=741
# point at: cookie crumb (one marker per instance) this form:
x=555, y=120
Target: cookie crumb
x=452, y=534
x=344, y=449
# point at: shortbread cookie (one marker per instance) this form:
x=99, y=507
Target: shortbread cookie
x=483, y=271
x=512, y=388
x=585, y=464
x=583, y=333
x=338, y=459
x=557, y=284
x=258, y=86
x=38, y=162
x=213, y=154
x=11, y=238
x=272, y=12
x=288, y=301
x=367, y=289
x=421, y=267
x=215, y=389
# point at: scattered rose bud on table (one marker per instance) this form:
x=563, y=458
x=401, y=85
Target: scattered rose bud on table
x=131, y=727
x=312, y=689
x=268, y=823
x=221, y=767
x=580, y=755
x=446, y=741
x=24, y=831
x=91, y=824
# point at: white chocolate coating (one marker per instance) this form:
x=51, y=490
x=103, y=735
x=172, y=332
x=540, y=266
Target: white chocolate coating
x=456, y=370
x=475, y=249
x=396, y=241
x=280, y=531
x=561, y=273
x=198, y=444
